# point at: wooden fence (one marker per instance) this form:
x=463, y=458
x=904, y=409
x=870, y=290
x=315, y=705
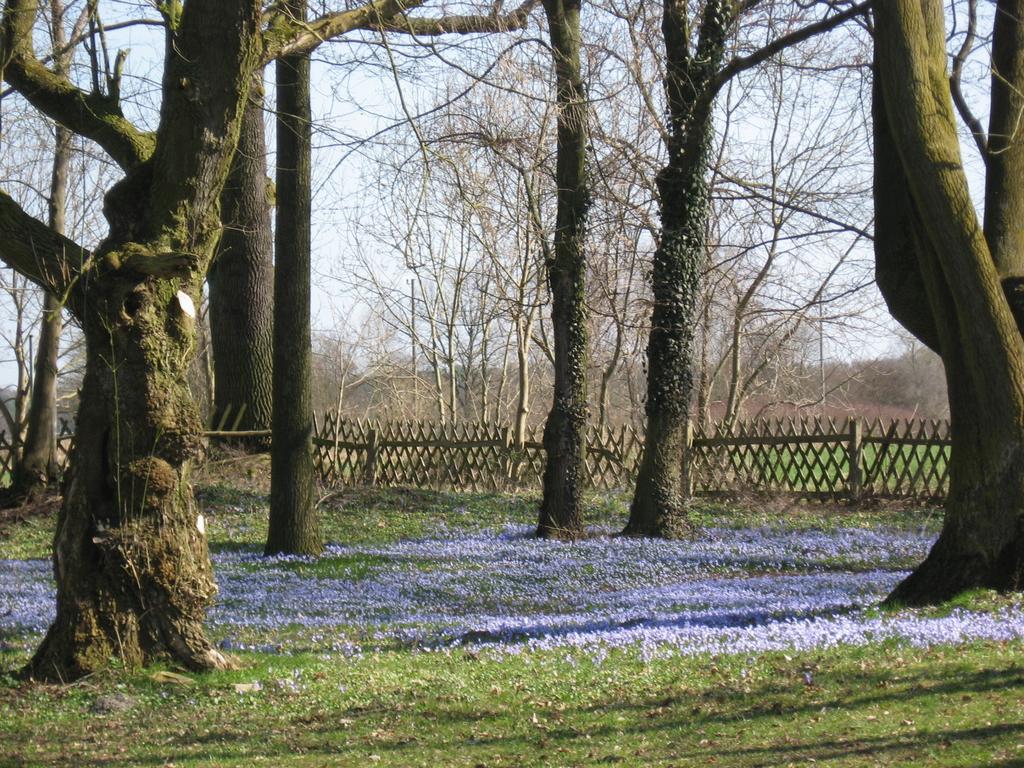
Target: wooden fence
x=809, y=458
x=65, y=439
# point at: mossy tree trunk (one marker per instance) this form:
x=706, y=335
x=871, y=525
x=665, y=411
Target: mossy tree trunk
x=293, y=520
x=658, y=507
x=565, y=430
x=950, y=277
x=241, y=282
x=130, y=559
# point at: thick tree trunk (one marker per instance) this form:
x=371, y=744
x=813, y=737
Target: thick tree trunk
x=241, y=282
x=561, y=511
x=658, y=507
x=130, y=553
x=982, y=540
x=293, y=523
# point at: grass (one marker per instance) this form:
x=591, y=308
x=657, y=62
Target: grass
x=881, y=704
x=885, y=705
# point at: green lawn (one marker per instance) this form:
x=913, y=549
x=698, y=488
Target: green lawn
x=885, y=704
x=869, y=706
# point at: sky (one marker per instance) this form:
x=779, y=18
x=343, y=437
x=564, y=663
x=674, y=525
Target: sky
x=354, y=96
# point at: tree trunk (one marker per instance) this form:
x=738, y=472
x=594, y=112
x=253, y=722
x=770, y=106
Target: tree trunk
x=130, y=554
x=561, y=511
x=965, y=309
x=1004, y=165
x=294, y=527
x=522, y=416
x=38, y=465
x=241, y=282
x=658, y=507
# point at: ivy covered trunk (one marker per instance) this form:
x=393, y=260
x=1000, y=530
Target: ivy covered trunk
x=658, y=507
x=565, y=430
x=947, y=280
x=130, y=555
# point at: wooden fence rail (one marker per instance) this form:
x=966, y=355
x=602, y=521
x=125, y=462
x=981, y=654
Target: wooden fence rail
x=809, y=458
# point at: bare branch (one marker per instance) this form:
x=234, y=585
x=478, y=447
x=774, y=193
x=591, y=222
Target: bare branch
x=29, y=246
x=969, y=118
x=459, y=25
x=386, y=16
x=286, y=36
x=743, y=63
x=92, y=115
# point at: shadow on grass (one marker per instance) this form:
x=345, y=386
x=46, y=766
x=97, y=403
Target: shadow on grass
x=773, y=724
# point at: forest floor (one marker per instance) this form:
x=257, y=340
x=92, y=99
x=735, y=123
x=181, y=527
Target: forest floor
x=435, y=631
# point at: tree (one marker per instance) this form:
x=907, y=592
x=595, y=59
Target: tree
x=293, y=520
x=694, y=74
x=241, y=282
x=129, y=552
x=561, y=510
x=38, y=465
x=955, y=283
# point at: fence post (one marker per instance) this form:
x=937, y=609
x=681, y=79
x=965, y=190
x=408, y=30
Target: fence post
x=853, y=456
x=336, y=463
x=370, y=471
x=686, y=472
x=508, y=448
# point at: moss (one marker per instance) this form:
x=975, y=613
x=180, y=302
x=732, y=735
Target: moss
x=151, y=479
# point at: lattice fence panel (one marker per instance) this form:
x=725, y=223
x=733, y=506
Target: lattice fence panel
x=906, y=459
x=612, y=458
x=808, y=457
x=64, y=442
x=805, y=457
x=6, y=459
x=341, y=450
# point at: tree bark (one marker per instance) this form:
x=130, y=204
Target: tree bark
x=130, y=556
x=561, y=511
x=241, y=281
x=293, y=523
x=1004, y=164
x=659, y=504
x=982, y=540
x=38, y=466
